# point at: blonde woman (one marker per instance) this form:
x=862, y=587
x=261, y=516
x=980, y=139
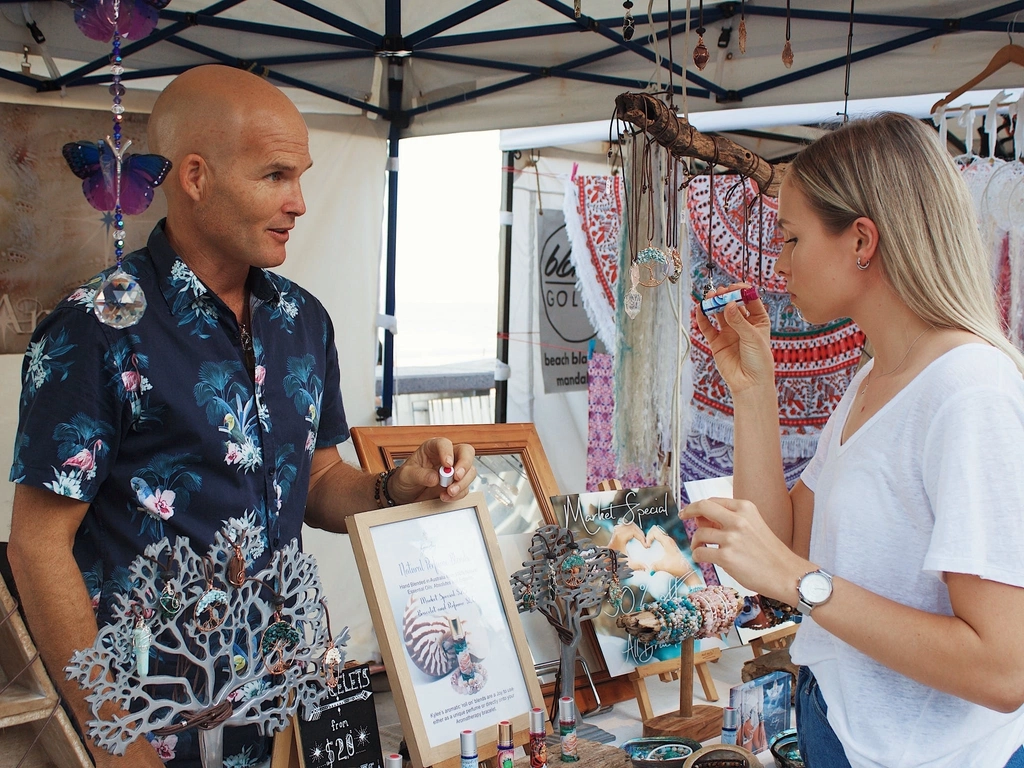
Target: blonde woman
x=903, y=542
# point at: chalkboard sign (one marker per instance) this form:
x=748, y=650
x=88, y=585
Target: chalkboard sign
x=342, y=731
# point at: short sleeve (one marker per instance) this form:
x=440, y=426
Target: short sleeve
x=333, y=424
x=972, y=475
x=70, y=416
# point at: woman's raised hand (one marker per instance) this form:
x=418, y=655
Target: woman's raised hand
x=740, y=340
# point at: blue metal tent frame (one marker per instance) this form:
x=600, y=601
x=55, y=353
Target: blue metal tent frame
x=353, y=41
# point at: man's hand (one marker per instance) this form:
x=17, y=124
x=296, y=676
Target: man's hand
x=417, y=478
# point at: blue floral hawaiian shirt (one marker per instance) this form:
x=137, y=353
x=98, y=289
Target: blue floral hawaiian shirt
x=161, y=427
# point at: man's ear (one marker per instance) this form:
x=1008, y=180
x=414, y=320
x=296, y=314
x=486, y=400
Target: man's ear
x=194, y=176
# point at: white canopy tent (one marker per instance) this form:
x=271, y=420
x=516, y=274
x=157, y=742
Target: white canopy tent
x=366, y=71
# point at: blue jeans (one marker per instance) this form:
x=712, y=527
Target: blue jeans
x=819, y=745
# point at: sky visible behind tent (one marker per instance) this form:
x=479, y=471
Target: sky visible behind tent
x=449, y=195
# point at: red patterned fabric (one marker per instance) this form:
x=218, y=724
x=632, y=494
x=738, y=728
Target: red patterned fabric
x=813, y=364
x=600, y=207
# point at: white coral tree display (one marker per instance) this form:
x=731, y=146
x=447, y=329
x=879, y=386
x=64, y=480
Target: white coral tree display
x=233, y=674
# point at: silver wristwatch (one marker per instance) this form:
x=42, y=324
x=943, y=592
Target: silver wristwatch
x=814, y=588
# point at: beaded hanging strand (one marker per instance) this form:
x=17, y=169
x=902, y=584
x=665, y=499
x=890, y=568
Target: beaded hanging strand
x=119, y=301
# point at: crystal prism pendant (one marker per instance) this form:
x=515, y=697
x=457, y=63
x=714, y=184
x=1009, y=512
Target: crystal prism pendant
x=120, y=301
x=633, y=299
x=787, y=55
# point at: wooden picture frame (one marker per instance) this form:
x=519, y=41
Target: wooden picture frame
x=381, y=448
x=423, y=566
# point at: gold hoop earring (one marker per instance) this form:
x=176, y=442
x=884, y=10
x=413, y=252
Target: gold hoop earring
x=864, y=266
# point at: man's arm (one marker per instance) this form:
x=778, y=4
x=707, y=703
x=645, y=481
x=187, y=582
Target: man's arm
x=56, y=602
x=337, y=489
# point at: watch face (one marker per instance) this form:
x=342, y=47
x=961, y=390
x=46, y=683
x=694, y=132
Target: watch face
x=815, y=588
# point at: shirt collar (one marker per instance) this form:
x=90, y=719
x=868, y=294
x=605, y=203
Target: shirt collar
x=182, y=288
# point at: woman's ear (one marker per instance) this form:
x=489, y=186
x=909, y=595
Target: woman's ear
x=864, y=233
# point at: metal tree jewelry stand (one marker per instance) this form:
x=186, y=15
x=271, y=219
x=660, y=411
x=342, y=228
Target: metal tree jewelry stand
x=200, y=610
x=700, y=722
x=566, y=578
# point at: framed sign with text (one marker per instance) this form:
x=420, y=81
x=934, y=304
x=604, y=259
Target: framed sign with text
x=448, y=627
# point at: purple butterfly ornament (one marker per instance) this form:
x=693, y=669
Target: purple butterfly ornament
x=96, y=163
x=133, y=18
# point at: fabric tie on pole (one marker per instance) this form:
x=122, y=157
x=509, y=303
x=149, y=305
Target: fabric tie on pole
x=939, y=119
x=990, y=122
x=966, y=121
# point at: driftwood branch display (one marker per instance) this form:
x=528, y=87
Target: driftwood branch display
x=682, y=140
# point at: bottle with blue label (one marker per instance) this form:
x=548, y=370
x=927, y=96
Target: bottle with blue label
x=467, y=743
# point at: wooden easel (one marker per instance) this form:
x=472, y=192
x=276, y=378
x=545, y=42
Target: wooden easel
x=29, y=708
x=683, y=671
x=780, y=638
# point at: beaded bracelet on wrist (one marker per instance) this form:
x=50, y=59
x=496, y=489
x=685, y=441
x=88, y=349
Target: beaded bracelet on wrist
x=380, y=489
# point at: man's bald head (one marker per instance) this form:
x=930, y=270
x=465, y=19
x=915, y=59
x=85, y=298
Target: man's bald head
x=238, y=146
x=211, y=110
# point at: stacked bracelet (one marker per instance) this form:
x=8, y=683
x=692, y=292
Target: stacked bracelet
x=380, y=490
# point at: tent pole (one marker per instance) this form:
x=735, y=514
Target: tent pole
x=504, y=292
x=388, y=384
x=398, y=120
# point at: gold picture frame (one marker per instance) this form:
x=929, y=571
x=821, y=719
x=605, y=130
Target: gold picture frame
x=434, y=577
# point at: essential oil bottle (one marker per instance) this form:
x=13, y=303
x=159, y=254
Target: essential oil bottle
x=467, y=743
x=538, y=739
x=567, y=729
x=506, y=746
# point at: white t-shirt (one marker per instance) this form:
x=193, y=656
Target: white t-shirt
x=932, y=483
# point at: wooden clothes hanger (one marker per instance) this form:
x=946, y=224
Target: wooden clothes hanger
x=1008, y=54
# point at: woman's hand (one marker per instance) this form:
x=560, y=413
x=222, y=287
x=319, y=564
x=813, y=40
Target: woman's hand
x=740, y=341
x=747, y=549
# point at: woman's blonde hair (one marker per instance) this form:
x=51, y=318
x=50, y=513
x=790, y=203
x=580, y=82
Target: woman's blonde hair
x=892, y=169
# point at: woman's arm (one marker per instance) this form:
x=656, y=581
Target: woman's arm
x=976, y=654
x=741, y=345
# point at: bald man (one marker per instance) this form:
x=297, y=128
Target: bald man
x=220, y=409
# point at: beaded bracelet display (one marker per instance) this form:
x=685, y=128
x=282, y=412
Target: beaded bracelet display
x=703, y=612
x=680, y=619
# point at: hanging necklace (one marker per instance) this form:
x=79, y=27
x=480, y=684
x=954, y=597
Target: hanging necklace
x=864, y=388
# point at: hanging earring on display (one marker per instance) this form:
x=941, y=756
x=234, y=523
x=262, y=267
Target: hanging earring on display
x=142, y=640
x=628, y=24
x=169, y=600
x=212, y=607
x=787, y=49
x=573, y=567
x=236, y=564
x=701, y=55
x=577, y=8
x=615, y=589
x=278, y=640
x=332, y=660
x=742, y=34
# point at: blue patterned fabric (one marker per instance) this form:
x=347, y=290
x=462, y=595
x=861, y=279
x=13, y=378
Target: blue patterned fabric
x=161, y=427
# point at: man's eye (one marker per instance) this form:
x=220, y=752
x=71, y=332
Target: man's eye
x=275, y=176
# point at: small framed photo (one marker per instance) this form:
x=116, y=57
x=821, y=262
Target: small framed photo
x=447, y=624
